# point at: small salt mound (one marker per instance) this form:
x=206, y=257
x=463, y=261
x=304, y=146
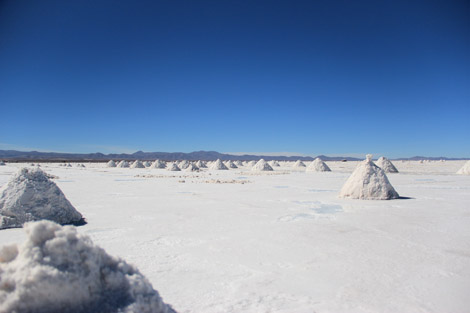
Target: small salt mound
x=368, y=182
x=58, y=270
x=274, y=163
x=2, y=163
x=262, y=166
x=201, y=164
x=31, y=196
x=299, y=163
x=173, y=167
x=465, y=169
x=230, y=164
x=238, y=163
x=147, y=163
x=123, y=164
x=158, y=164
x=318, y=166
x=218, y=165
x=251, y=163
x=192, y=168
x=137, y=164
x=111, y=163
x=386, y=165
x=184, y=164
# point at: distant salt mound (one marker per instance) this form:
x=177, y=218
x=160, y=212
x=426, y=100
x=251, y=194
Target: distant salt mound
x=251, y=163
x=111, y=163
x=184, y=164
x=81, y=165
x=2, y=163
x=386, y=165
x=201, y=164
x=173, y=167
x=368, y=182
x=147, y=163
x=238, y=163
x=192, y=168
x=158, y=164
x=298, y=164
x=318, y=166
x=218, y=165
x=262, y=166
x=274, y=163
x=137, y=164
x=58, y=270
x=31, y=196
x=123, y=164
x=465, y=169
x=230, y=164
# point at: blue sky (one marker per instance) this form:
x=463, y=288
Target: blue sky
x=307, y=77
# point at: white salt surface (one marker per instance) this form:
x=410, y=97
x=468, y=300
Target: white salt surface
x=283, y=241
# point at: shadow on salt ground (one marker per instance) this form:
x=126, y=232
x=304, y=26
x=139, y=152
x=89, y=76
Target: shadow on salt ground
x=80, y=222
x=404, y=198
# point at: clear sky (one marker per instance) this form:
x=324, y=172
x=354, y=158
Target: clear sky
x=310, y=77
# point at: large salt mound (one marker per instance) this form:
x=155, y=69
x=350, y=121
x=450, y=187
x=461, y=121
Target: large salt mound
x=137, y=164
x=158, y=164
x=57, y=270
x=262, y=166
x=184, y=164
x=230, y=164
x=201, y=164
x=173, y=167
x=218, y=165
x=31, y=196
x=368, y=182
x=318, y=166
x=465, y=169
x=386, y=165
x=299, y=163
x=123, y=163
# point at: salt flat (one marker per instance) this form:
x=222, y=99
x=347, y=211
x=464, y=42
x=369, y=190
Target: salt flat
x=282, y=241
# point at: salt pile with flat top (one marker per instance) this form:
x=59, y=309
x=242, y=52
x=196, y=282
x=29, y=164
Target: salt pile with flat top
x=262, y=166
x=386, y=165
x=58, y=270
x=368, y=182
x=31, y=196
x=465, y=169
x=218, y=165
x=318, y=166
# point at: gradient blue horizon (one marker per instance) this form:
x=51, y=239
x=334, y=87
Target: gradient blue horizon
x=310, y=77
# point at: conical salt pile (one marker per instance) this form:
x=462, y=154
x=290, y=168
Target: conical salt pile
x=184, y=164
x=465, y=169
x=251, y=163
x=111, y=163
x=230, y=164
x=2, y=163
x=137, y=164
x=262, y=166
x=158, y=164
x=58, y=270
x=218, y=165
x=368, y=182
x=201, y=164
x=386, y=165
x=192, y=168
x=123, y=164
x=318, y=166
x=274, y=163
x=173, y=167
x=30, y=196
x=147, y=163
x=238, y=163
x=299, y=163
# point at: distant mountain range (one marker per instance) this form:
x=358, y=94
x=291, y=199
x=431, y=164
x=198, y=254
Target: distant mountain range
x=14, y=155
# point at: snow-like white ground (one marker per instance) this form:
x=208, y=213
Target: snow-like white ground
x=282, y=241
